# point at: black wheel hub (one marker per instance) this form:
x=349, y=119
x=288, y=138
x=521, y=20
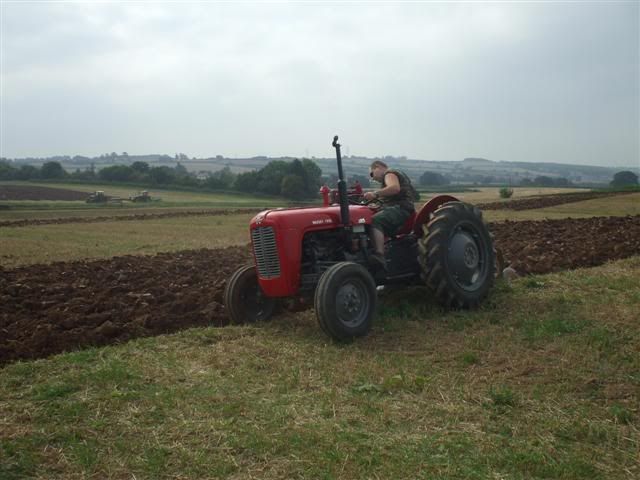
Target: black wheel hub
x=465, y=258
x=351, y=305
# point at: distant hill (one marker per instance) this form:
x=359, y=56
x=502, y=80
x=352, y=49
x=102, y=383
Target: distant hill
x=468, y=170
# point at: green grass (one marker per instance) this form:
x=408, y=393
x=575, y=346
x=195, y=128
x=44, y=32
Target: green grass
x=74, y=241
x=542, y=382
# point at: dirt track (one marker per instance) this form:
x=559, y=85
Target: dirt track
x=46, y=309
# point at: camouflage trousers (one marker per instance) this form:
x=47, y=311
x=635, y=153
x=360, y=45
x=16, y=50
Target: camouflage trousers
x=390, y=219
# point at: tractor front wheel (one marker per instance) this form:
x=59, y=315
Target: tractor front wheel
x=244, y=299
x=345, y=301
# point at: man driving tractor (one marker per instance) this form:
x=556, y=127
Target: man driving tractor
x=396, y=196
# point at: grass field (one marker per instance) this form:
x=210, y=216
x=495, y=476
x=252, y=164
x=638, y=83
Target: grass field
x=547, y=391
x=74, y=241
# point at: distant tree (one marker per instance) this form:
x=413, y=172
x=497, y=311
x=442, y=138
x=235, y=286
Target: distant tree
x=313, y=176
x=292, y=187
x=162, y=175
x=561, y=182
x=506, y=192
x=7, y=172
x=271, y=177
x=224, y=178
x=624, y=178
x=214, y=183
x=180, y=170
x=526, y=182
x=86, y=174
x=116, y=173
x=543, y=181
x=433, y=178
x=247, y=182
x=27, y=172
x=52, y=170
x=140, y=167
x=310, y=174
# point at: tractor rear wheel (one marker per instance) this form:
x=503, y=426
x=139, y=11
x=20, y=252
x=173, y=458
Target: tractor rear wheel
x=244, y=299
x=457, y=256
x=345, y=301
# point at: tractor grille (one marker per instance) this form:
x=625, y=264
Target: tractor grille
x=266, y=252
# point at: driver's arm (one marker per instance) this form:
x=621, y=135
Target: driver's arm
x=392, y=188
x=393, y=185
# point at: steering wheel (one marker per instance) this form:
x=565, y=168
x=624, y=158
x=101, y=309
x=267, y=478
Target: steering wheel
x=374, y=204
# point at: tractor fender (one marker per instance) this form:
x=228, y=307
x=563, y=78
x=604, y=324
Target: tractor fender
x=427, y=209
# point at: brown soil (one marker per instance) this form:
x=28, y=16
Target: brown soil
x=47, y=309
x=23, y=192
x=553, y=245
x=547, y=200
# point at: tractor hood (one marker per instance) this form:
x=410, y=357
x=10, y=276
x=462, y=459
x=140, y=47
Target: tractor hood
x=312, y=218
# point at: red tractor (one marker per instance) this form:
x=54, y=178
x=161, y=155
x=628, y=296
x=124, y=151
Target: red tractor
x=322, y=253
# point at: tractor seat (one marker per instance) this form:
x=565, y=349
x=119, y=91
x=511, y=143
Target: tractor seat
x=408, y=225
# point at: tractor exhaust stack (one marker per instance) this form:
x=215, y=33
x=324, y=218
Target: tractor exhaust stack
x=342, y=187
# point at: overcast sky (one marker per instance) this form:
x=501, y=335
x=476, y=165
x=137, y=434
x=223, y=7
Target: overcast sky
x=538, y=82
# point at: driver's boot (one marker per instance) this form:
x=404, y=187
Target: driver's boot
x=378, y=261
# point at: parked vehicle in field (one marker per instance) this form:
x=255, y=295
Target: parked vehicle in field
x=97, y=197
x=141, y=197
x=322, y=254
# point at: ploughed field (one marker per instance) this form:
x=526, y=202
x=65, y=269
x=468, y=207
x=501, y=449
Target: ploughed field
x=544, y=201
x=32, y=192
x=46, y=309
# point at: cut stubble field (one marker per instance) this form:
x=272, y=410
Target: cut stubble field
x=45, y=244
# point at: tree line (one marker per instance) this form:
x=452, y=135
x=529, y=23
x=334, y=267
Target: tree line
x=295, y=180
